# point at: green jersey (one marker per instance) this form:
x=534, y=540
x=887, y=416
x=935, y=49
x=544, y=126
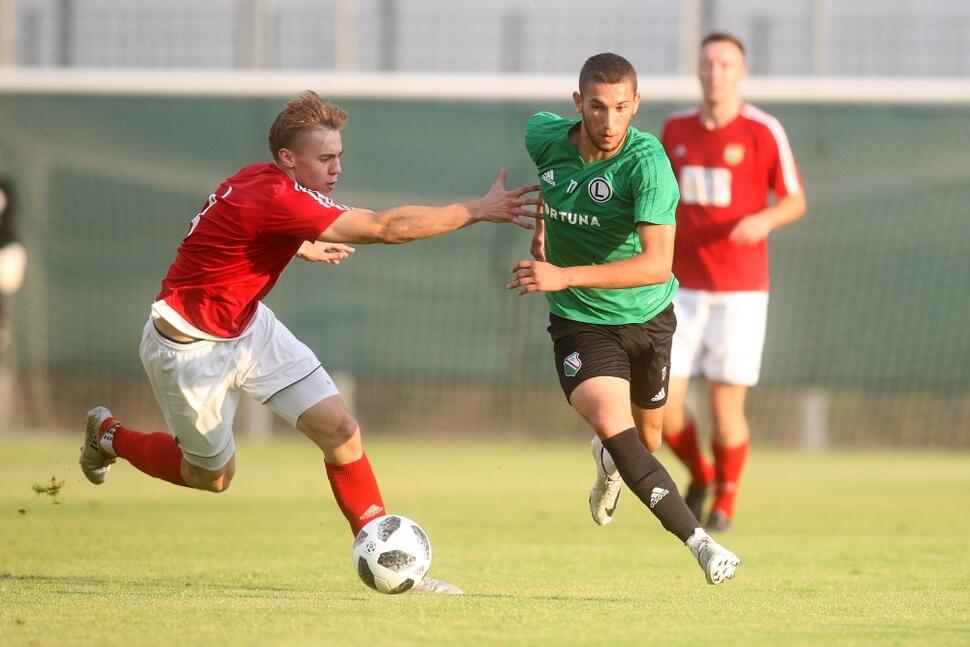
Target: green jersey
x=591, y=215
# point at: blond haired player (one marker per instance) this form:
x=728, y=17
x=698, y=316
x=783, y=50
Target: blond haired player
x=210, y=339
x=729, y=158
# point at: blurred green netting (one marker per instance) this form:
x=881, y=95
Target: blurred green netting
x=870, y=306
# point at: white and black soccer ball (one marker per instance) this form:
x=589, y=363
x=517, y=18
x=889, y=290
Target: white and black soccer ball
x=391, y=554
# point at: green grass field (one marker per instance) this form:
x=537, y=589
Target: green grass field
x=860, y=548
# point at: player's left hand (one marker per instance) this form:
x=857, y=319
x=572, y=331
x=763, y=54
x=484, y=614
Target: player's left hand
x=537, y=276
x=750, y=230
x=501, y=205
x=318, y=251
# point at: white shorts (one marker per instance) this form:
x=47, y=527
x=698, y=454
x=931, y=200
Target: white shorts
x=198, y=384
x=720, y=335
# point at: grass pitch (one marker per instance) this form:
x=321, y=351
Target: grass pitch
x=860, y=548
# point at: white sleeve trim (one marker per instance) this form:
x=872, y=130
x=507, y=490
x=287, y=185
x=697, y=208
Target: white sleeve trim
x=789, y=171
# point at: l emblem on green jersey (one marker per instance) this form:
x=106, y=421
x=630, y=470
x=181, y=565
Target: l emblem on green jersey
x=600, y=190
x=571, y=365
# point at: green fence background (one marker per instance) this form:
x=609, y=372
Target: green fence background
x=867, y=340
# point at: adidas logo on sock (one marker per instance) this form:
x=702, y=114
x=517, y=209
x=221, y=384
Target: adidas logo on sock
x=657, y=494
x=372, y=511
x=107, y=441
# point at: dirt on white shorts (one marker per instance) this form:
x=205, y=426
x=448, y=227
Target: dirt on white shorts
x=198, y=384
x=720, y=335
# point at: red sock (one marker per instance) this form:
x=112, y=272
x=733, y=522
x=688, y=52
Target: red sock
x=155, y=454
x=355, y=488
x=685, y=446
x=728, y=465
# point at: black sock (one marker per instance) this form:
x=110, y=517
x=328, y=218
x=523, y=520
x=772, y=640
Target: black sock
x=650, y=481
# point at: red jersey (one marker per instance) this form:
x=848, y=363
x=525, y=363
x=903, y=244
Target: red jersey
x=724, y=175
x=237, y=247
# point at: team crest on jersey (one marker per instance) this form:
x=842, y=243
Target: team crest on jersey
x=571, y=365
x=734, y=154
x=600, y=190
x=680, y=151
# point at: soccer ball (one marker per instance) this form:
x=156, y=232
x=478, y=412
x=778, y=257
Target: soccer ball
x=391, y=553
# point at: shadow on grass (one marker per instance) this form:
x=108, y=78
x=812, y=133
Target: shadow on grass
x=69, y=585
x=79, y=584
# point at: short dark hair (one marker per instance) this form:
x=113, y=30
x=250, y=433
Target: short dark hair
x=722, y=37
x=606, y=68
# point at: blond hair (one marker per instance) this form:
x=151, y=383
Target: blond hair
x=305, y=112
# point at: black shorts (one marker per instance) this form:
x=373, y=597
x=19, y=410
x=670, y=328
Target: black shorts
x=638, y=353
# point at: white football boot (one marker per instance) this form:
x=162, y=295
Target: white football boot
x=94, y=462
x=717, y=562
x=431, y=585
x=606, y=488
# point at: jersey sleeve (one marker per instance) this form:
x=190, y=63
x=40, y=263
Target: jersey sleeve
x=301, y=213
x=784, y=178
x=537, y=133
x=655, y=192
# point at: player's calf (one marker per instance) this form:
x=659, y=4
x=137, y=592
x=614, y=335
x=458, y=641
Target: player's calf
x=649, y=480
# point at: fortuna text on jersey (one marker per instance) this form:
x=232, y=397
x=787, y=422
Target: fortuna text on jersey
x=580, y=219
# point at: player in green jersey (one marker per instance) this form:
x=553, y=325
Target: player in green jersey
x=603, y=254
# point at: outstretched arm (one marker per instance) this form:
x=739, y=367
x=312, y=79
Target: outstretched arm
x=413, y=222
x=649, y=267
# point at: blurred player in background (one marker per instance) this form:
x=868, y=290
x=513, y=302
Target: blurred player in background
x=603, y=257
x=210, y=339
x=728, y=157
x=13, y=264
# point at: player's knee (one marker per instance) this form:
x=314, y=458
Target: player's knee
x=606, y=425
x=332, y=431
x=345, y=429
x=221, y=484
x=652, y=436
x=209, y=481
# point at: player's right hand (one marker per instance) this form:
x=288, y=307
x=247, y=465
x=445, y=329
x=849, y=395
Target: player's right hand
x=318, y=251
x=500, y=205
x=537, y=276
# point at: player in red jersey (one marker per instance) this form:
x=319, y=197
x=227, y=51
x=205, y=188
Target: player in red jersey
x=210, y=339
x=729, y=157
